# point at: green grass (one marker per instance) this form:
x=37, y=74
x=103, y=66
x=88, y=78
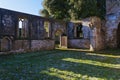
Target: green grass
x=61, y=65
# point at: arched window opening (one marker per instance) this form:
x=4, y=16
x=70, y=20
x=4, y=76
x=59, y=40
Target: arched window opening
x=46, y=27
x=22, y=28
x=79, y=32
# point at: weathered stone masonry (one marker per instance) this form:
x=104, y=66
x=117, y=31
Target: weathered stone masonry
x=106, y=33
x=112, y=23
x=25, y=32
x=92, y=35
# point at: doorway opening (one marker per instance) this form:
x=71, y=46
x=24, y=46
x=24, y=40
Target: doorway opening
x=6, y=44
x=58, y=34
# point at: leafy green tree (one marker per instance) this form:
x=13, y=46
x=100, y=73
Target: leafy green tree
x=101, y=5
x=57, y=9
x=74, y=9
x=44, y=13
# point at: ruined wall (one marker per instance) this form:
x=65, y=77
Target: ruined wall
x=103, y=33
x=32, y=35
x=25, y=32
x=33, y=45
x=98, y=34
x=73, y=40
x=70, y=30
x=79, y=43
x=93, y=35
x=7, y=23
x=112, y=21
x=42, y=45
x=6, y=44
x=21, y=45
x=58, y=26
x=37, y=28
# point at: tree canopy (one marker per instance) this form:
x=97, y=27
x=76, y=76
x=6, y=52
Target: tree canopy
x=73, y=9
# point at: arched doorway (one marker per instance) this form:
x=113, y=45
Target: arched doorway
x=58, y=34
x=5, y=44
x=118, y=36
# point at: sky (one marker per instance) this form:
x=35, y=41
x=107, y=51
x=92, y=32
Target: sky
x=25, y=6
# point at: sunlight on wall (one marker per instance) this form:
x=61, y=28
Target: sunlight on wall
x=91, y=47
x=68, y=75
x=91, y=62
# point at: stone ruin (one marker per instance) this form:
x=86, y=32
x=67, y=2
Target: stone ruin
x=25, y=32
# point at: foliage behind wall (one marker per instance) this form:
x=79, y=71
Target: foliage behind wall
x=73, y=9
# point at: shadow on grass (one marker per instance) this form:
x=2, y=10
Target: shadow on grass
x=77, y=65
x=106, y=56
x=82, y=71
x=61, y=65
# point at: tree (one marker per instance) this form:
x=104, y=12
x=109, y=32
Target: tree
x=44, y=13
x=74, y=9
x=57, y=9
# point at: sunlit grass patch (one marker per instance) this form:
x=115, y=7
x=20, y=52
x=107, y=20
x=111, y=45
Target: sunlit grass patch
x=67, y=75
x=91, y=62
x=60, y=65
x=105, y=55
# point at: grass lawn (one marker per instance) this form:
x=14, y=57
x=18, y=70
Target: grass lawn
x=61, y=65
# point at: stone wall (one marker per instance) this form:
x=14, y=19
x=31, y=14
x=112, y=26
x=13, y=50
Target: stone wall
x=42, y=45
x=93, y=34
x=21, y=45
x=6, y=44
x=25, y=32
x=33, y=45
x=27, y=45
x=111, y=34
x=112, y=6
x=112, y=21
x=98, y=34
x=79, y=43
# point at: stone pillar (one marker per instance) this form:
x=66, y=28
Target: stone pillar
x=92, y=40
x=75, y=32
x=96, y=38
x=70, y=30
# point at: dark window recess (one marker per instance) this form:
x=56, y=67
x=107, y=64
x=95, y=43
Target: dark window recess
x=79, y=31
x=118, y=36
